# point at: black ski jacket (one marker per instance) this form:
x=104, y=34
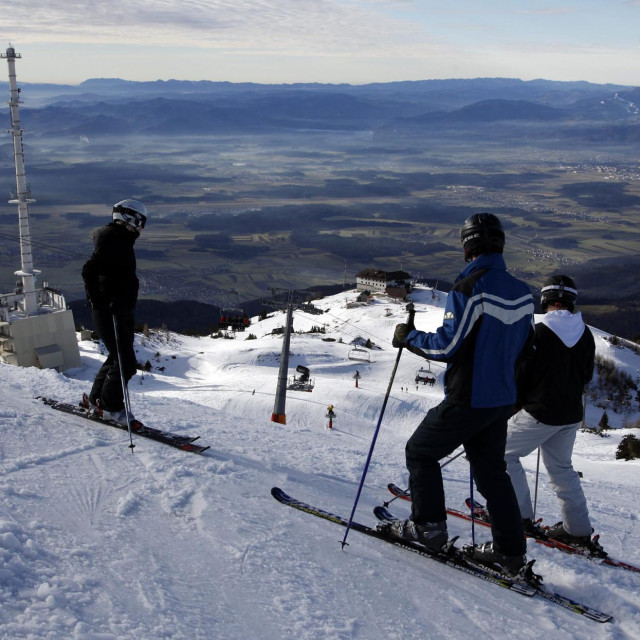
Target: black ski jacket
x=551, y=382
x=110, y=273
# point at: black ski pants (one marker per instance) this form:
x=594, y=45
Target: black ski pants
x=483, y=433
x=107, y=386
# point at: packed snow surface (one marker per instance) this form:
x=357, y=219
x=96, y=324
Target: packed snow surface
x=99, y=542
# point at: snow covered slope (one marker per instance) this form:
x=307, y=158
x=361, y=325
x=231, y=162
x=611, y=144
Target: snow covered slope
x=98, y=542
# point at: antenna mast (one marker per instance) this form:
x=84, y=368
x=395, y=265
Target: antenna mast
x=23, y=193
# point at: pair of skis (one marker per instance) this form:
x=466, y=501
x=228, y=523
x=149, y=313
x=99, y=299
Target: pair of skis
x=450, y=556
x=481, y=516
x=178, y=441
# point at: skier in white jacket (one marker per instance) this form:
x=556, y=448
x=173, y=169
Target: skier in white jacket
x=550, y=388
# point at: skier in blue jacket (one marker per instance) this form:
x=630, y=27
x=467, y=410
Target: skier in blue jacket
x=488, y=323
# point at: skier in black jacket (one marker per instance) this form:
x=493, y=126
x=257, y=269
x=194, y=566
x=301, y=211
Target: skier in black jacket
x=550, y=388
x=112, y=291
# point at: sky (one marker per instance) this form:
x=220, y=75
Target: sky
x=327, y=41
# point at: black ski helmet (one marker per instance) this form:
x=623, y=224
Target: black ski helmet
x=481, y=233
x=558, y=289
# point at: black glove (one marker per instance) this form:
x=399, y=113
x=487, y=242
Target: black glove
x=400, y=335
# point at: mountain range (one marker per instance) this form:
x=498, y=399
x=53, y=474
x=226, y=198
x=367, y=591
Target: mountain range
x=101, y=107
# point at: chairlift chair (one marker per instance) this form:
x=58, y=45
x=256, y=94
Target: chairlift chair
x=425, y=375
x=360, y=354
x=233, y=318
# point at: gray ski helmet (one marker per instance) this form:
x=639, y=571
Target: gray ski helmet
x=130, y=211
x=481, y=233
x=558, y=289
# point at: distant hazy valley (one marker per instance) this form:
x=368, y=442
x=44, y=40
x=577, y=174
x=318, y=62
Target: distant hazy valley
x=257, y=186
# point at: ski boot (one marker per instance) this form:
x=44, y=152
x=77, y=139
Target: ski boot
x=89, y=407
x=532, y=529
x=431, y=535
x=586, y=543
x=120, y=417
x=513, y=567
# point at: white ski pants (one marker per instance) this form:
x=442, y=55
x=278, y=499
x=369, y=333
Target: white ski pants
x=525, y=434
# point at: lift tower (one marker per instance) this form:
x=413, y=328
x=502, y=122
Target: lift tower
x=36, y=328
x=23, y=194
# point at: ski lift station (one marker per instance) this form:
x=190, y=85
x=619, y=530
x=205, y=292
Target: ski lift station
x=36, y=328
x=45, y=338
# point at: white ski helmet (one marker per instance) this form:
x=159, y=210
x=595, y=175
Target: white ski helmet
x=130, y=211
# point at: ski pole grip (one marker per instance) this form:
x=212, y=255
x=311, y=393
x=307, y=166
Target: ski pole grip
x=412, y=313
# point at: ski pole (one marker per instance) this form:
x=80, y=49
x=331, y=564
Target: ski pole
x=125, y=389
x=444, y=464
x=412, y=312
x=535, y=493
x=473, y=509
x=450, y=460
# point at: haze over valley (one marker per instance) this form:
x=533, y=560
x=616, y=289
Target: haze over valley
x=255, y=186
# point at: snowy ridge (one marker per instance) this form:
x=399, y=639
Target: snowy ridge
x=98, y=542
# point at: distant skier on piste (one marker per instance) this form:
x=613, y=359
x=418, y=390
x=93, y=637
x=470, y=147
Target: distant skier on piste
x=112, y=291
x=550, y=388
x=488, y=323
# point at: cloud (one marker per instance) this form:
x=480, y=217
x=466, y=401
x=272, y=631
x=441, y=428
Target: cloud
x=549, y=11
x=322, y=40
x=265, y=26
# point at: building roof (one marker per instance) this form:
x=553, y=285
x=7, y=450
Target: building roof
x=372, y=273
x=377, y=274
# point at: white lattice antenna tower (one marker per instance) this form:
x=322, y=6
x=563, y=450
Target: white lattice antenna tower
x=23, y=193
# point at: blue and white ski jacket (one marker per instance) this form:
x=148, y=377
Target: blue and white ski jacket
x=488, y=321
